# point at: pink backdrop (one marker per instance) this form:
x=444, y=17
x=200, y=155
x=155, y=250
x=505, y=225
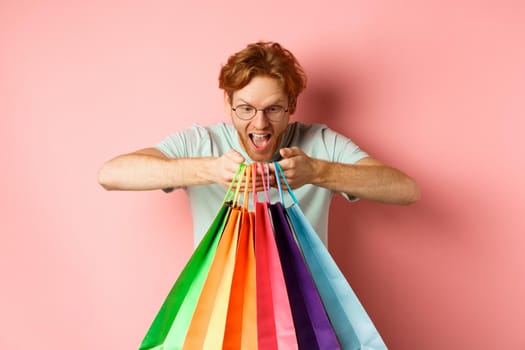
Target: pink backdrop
x=435, y=88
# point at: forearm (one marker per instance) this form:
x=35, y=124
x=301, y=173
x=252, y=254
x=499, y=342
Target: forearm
x=147, y=172
x=374, y=182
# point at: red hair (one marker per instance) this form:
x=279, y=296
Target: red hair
x=268, y=59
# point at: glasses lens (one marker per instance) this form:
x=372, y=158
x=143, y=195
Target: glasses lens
x=245, y=111
x=274, y=113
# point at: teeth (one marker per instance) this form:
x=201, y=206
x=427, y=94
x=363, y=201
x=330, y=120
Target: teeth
x=256, y=136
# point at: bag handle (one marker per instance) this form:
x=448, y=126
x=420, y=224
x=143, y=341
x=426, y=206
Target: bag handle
x=238, y=188
x=254, y=176
x=230, y=195
x=248, y=171
x=280, y=174
x=265, y=180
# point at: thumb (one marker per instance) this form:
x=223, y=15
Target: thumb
x=289, y=152
x=235, y=156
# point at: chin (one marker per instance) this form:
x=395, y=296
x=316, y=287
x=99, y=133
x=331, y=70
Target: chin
x=260, y=157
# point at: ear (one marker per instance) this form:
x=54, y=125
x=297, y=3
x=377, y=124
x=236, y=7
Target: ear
x=227, y=104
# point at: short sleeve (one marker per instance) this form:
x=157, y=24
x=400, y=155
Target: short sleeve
x=191, y=142
x=185, y=144
x=341, y=149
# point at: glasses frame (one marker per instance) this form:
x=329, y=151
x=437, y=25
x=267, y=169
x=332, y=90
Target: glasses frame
x=234, y=109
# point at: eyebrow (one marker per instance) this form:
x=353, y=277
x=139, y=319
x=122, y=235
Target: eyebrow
x=278, y=102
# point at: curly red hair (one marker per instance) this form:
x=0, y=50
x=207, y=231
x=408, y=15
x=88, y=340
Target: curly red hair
x=268, y=59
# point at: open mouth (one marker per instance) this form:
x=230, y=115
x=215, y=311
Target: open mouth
x=260, y=141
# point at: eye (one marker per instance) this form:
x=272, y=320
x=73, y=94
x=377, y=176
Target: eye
x=247, y=109
x=274, y=109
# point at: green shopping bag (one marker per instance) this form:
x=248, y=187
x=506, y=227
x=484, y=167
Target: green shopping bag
x=169, y=327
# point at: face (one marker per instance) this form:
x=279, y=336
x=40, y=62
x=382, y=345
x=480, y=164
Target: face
x=259, y=136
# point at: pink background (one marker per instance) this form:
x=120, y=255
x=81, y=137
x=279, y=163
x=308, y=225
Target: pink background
x=434, y=88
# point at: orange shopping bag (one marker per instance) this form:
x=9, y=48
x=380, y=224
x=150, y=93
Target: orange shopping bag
x=241, y=321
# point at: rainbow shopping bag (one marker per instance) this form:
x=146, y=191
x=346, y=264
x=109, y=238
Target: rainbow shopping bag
x=261, y=279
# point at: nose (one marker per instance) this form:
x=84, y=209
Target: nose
x=259, y=120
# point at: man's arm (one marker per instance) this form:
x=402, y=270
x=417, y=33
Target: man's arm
x=367, y=179
x=150, y=169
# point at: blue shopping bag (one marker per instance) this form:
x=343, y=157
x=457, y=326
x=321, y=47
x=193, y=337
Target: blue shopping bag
x=354, y=328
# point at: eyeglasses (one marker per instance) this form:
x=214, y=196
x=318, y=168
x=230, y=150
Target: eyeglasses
x=274, y=113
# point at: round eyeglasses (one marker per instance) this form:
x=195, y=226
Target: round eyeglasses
x=246, y=112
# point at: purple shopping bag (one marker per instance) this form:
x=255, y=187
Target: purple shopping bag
x=313, y=328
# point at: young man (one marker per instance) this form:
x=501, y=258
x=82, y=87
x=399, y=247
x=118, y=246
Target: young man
x=261, y=84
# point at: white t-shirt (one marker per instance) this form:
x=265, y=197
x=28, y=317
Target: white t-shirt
x=316, y=140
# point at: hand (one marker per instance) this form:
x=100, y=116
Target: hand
x=224, y=167
x=299, y=169
x=260, y=173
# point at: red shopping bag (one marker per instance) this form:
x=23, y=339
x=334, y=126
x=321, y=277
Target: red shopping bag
x=276, y=329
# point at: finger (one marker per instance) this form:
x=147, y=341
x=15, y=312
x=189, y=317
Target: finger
x=283, y=186
x=285, y=152
x=259, y=188
x=235, y=156
x=259, y=184
x=285, y=165
x=290, y=152
x=270, y=180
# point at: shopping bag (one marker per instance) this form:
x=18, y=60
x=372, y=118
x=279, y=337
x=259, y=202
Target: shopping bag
x=170, y=326
x=312, y=325
x=208, y=324
x=241, y=320
x=354, y=328
x=276, y=329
